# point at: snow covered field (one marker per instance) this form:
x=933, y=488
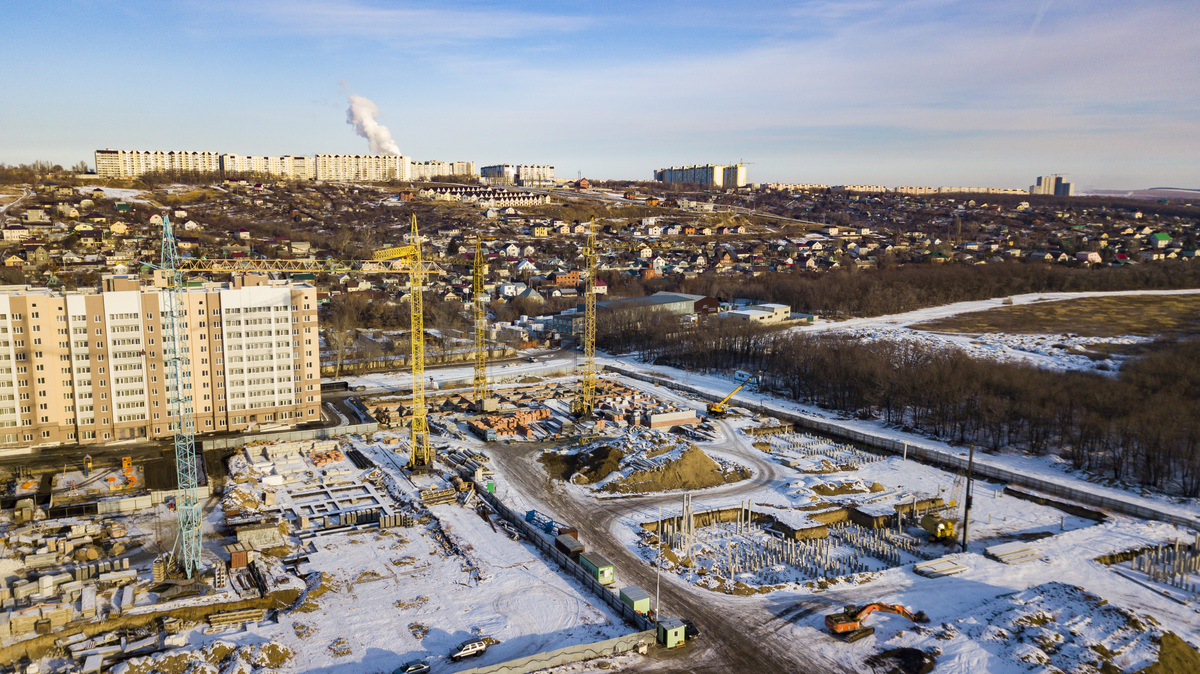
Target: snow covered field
x=1049, y=351
x=121, y=193
x=1052, y=352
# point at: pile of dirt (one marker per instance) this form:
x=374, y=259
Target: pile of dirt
x=585, y=467
x=847, y=487
x=220, y=656
x=601, y=462
x=1175, y=656
x=692, y=470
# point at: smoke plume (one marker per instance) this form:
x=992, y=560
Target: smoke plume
x=361, y=115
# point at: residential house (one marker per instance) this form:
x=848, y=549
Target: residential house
x=15, y=233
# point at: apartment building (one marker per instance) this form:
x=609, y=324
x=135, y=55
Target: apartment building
x=133, y=163
x=289, y=167
x=530, y=175
x=427, y=170
x=88, y=366
x=368, y=167
x=127, y=164
x=1052, y=185
x=707, y=174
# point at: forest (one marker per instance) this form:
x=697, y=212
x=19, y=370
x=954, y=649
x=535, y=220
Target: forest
x=1140, y=426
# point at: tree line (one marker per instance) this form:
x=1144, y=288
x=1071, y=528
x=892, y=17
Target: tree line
x=1141, y=426
x=892, y=290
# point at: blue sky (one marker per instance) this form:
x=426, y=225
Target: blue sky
x=898, y=92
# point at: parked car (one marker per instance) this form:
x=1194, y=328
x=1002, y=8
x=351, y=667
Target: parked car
x=360, y=387
x=414, y=667
x=468, y=648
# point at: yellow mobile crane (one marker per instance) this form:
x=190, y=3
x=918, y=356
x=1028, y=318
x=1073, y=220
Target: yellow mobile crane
x=396, y=260
x=720, y=409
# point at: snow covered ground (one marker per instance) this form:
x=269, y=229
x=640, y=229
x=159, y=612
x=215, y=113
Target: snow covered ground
x=1046, y=467
x=1052, y=352
x=946, y=310
x=1036, y=603
x=121, y=193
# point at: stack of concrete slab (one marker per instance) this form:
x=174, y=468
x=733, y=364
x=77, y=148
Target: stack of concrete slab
x=1016, y=552
x=942, y=566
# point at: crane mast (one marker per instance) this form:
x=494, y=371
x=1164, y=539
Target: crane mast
x=586, y=403
x=175, y=350
x=477, y=294
x=420, y=458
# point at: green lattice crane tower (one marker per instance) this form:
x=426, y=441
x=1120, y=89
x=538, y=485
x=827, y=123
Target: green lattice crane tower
x=179, y=394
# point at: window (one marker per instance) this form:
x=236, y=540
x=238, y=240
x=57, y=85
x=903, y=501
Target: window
x=45, y=434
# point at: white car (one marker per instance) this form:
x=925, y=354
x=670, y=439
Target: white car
x=468, y=648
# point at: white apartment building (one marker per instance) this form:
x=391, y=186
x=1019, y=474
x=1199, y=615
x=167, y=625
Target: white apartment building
x=288, y=167
x=128, y=164
x=365, y=167
x=133, y=163
x=428, y=170
x=88, y=367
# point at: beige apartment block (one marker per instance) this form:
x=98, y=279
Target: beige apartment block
x=88, y=366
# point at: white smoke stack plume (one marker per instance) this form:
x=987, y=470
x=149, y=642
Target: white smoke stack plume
x=361, y=115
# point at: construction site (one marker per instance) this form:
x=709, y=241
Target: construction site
x=601, y=516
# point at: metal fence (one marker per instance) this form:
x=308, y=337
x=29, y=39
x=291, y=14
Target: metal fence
x=936, y=457
x=536, y=537
x=290, y=436
x=563, y=656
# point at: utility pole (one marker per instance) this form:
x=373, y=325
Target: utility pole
x=658, y=568
x=967, y=500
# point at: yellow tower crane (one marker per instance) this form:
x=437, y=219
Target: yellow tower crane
x=585, y=404
x=400, y=259
x=420, y=457
x=477, y=294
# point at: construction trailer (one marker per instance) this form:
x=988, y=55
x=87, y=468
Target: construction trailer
x=671, y=632
x=569, y=546
x=598, y=567
x=636, y=598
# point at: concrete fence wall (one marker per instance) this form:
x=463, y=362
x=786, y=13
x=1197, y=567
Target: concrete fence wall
x=546, y=545
x=933, y=456
x=567, y=655
x=357, y=366
x=288, y=436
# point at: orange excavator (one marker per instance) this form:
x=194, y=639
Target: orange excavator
x=848, y=624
